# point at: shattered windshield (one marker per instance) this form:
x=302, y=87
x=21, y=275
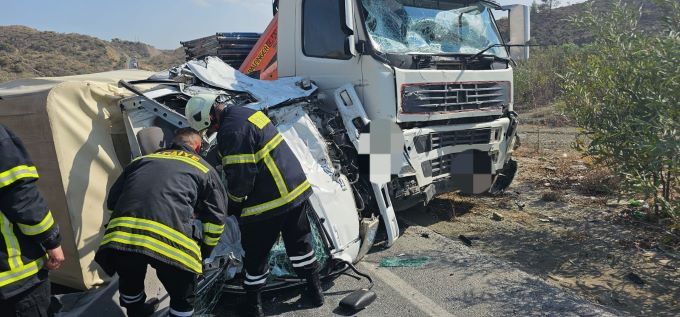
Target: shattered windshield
x=431, y=27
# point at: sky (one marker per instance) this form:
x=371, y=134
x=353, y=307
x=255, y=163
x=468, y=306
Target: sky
x=161, y=23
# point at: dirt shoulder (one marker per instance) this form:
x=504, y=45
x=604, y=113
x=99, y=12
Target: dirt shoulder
x=559, y=223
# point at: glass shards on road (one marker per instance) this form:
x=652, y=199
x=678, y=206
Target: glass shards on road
x=405, y=261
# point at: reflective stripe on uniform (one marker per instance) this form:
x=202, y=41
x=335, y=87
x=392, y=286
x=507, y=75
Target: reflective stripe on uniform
x=42, y=226
x=187, y=160
x=235, y=198
x=213, y=228
x=11, y=243
x=181, y=313
x=273, y=204
x=128, y=299
x=253, y=158
x=259, y=119
x=12, y=175
x=157, y=228
x=153, y=245
x=14, y=275
x=210, y=241
x=256, y=280
x=276, y=174
x=303, y=260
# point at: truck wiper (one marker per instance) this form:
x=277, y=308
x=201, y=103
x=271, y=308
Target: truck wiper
x=496, y=56
x=476, y=56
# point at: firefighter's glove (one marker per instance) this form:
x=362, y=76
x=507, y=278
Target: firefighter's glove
x=235, y=209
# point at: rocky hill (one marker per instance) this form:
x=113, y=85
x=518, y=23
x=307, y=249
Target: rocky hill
x=554, y=27
x=27, y=52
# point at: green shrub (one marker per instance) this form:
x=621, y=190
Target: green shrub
x=623, y=90
x=536, y=80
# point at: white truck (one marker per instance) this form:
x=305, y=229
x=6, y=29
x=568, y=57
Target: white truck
x=438, y=69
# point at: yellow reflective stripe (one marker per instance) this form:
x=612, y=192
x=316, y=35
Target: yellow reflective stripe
x=253, y=158
x=44, y=225
x=276, y=174
x=272, y=144
x=239, y=159
x=11, y=243
x=14, y=275
x=259, y=119
x=154, y=245
x=210, y=241
x=258, y=209
x=213, y=228
x=235, y=198
x=187, y=160
x=14, y=174
x=157, y=228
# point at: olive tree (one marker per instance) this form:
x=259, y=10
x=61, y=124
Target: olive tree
x=623, y=91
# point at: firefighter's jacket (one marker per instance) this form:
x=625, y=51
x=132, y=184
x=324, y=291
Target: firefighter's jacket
x=264, y=178
x=27, y=225
x=154, y=204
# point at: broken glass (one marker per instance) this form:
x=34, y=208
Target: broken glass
x=210, y=289
x=278, y=259
x=428, y=27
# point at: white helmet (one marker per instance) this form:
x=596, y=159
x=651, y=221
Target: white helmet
x=198, y=109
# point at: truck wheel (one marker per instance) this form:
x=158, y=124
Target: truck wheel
x=504, y=178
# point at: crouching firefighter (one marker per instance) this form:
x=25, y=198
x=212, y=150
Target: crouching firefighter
x=267, y=190
x=30, y=243
x=155, y=206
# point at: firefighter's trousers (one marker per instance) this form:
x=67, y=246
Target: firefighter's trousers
x=33, y=302
x=258, y=238
x=180, y=284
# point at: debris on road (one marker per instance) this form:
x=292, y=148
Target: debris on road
x=405, y=262
x=496, y=216
x=465, y=240
x=548, y=219
x=635, y=278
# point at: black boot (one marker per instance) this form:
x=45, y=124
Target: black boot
x=143, y=309
x=252, y=305
x=314, y=293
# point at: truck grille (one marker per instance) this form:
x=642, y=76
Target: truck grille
x=433, y=141
x=441, y=165
x=455, y=97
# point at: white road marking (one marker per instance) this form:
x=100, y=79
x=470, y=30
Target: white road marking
x=422, y=302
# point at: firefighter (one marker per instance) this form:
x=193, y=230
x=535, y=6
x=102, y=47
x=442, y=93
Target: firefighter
x=30, y=243
x=267, y=189
x=156, y=205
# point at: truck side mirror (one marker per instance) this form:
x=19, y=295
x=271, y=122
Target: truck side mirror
x=520, y=30
x=349, y=24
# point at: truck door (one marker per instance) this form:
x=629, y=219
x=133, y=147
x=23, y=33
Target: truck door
x=322, y=49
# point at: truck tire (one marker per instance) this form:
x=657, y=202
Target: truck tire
x=504, y=178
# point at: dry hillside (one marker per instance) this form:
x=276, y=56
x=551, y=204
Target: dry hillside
x=26, y=52
x=554, y=27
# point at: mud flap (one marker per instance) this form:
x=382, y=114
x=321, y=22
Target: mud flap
x=384, y=202
x=368, y=227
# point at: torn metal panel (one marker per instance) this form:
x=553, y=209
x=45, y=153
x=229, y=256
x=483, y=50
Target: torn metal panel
x=214, y=72
x=333, y=199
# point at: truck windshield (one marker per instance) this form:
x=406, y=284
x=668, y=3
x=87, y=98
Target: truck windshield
x=431, y=27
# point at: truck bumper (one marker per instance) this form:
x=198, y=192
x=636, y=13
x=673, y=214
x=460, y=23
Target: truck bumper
x=430, y=153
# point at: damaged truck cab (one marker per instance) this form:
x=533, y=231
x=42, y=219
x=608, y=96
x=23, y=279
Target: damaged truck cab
x=439, y=69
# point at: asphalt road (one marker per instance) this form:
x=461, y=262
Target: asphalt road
x=457, y=281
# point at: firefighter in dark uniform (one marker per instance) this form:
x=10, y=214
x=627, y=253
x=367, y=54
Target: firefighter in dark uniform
x=267, y=190
x=30, y=243
x=155, y=206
